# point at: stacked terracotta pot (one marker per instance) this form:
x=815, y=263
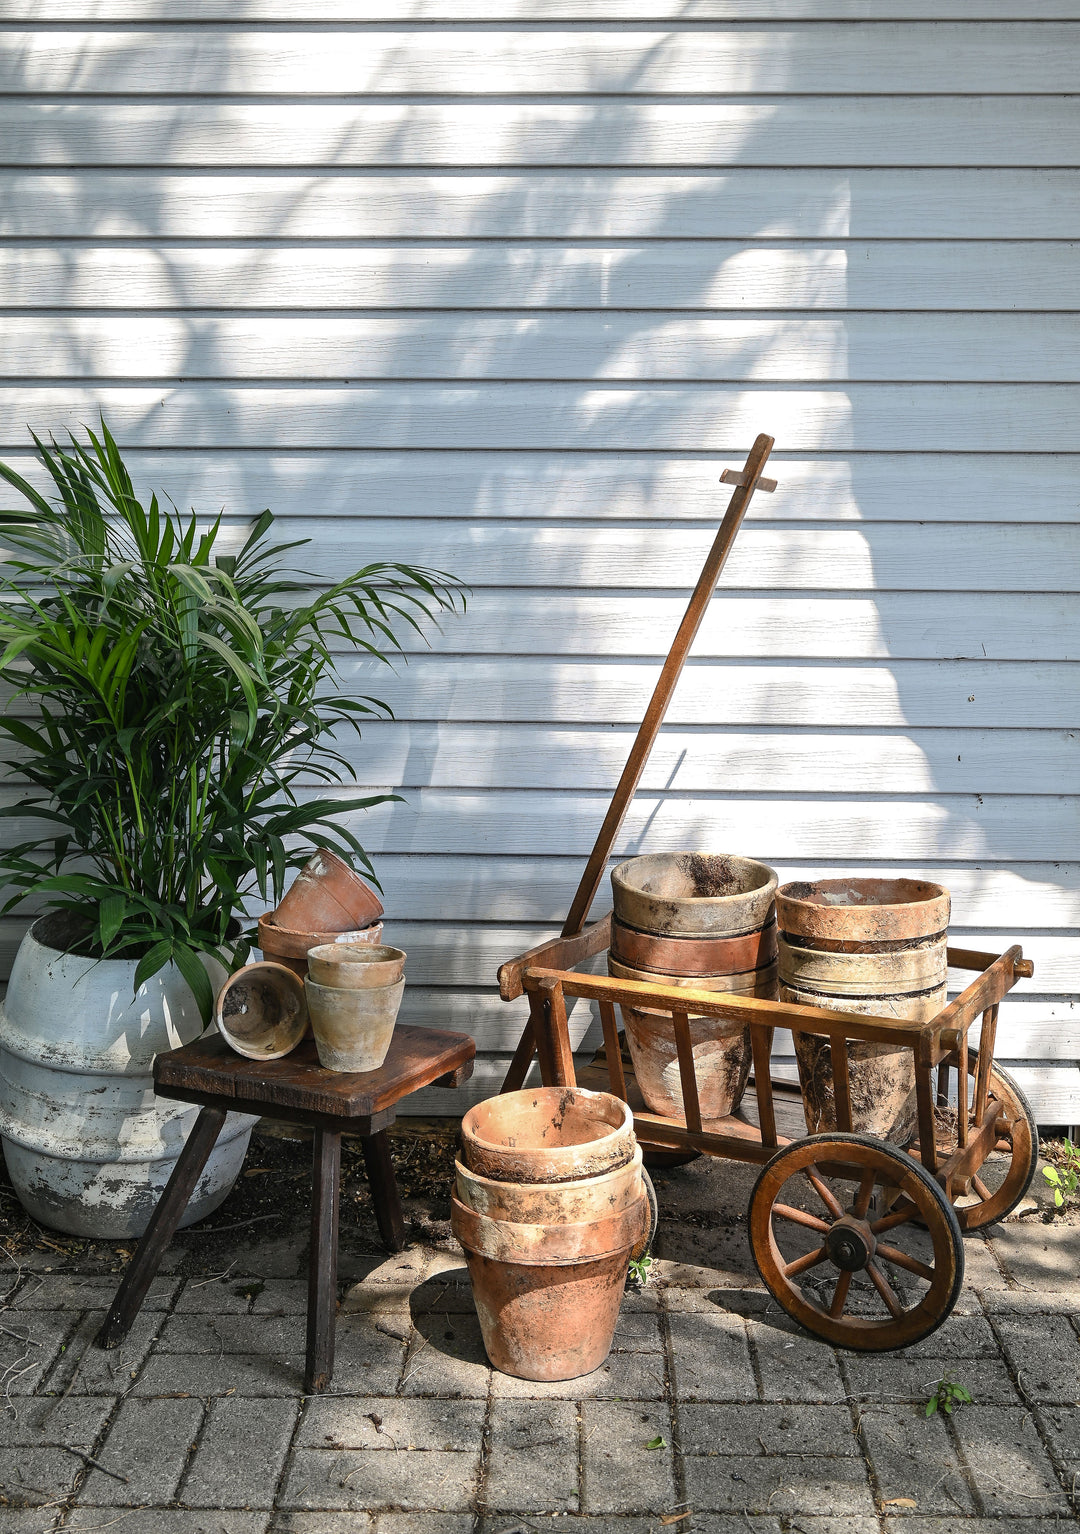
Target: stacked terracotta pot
x=871, y=946
x=326, y=903
x=550, y=1204
x=704, y=921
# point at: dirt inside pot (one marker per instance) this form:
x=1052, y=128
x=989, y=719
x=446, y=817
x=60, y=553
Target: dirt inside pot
x=698, y=875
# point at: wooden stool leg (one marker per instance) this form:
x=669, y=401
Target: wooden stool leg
x=162, y=1227
x=322, y=1260
x=384, y=1190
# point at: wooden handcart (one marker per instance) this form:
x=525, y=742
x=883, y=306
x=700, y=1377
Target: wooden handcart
x=859, y=1239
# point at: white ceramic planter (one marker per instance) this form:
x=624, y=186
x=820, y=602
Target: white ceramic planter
x=89, y=1148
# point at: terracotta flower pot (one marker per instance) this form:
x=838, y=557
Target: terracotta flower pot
x=353, y=1029
x=722, y=1059
x=285, y=946
x=547, y=1134
x=548, y=1296
x=355, y=968
x=551, y=1203
x=261, y=1011
x=693, y=894
x=327, y=896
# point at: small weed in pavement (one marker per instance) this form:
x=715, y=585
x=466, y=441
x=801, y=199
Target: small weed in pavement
x=948, y=1395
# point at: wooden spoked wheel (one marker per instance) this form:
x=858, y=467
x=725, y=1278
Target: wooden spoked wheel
x=1006, y=1175
x=857, y=1242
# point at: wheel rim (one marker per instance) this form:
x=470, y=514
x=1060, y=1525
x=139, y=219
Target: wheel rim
x=856, y=1241
x=1018, y=1138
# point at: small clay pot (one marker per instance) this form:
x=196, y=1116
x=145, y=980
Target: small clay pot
x=547, y=1134
x=862, y=910
x=693, y=894
x=693, y=955
x=328, y=896
x=291, y=948
x=261, y=1011
x=353, y=1029
x=551, y=1203
x=360, y=968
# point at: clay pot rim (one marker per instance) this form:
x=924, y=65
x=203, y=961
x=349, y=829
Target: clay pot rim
x=621, y=880
x=627, y=1169
x=302, y=1016
x=357, y=953
x=892, y=908
x=554, y=1243
x=620, y=971
x=708, y=916
x=348, y=990
x=506, y=1100
x=303, y=941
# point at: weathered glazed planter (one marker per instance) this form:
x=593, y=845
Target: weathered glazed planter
x=347, y=967
x=353, y=1028
x=547, y=1134
x=261, y=1011
x=328, y=896
x=88, y=1147
x=872, y=946
x=548, y=1295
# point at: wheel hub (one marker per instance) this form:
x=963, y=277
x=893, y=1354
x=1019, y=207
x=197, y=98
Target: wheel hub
x=850, y=1244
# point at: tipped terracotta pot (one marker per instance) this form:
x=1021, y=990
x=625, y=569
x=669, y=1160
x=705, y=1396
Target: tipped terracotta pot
x=360, y=968
x=353, y=1029
x=875, y=947
x=693, y=894
x=547, y=1134
x=551, y=1203
x=290, y=948
x=261, y=1011
x=328, y=896
x=548, y=1296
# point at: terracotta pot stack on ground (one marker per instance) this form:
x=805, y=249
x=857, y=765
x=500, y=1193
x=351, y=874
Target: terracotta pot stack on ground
x=326, y=903
x=704, y=921
x=550, y=1204
x=872, y=946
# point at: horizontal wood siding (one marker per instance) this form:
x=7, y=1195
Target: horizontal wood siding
x=501, y=287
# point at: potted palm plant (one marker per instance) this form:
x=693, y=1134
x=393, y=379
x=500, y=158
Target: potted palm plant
x=172, y=703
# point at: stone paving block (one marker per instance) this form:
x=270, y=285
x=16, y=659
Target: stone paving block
x=240, y=1454
x=204, y=1374
x=814, y=1523
x=78, y=1291
x=325, y=1523
x=638, y=1331
x=533, y=1463
x=27, y=1520
x=793, y=1366
x=912, y=1455
x=281, y=1296
x=366, y=1360
x=76, y=1420
x=1044, y=1259
x=359, y=1478
x=1045, y=1352
x=982, y=1272
x=1020, y=1523
x=349, y=1422
x=229, y=1333
x=1061, y=1427
x=781, y=1486
x=1011, y=1468
x=621, y=1474
x=697, y=1523
x=447, y=1358
x=446, y=1287
x=214, y=1297
x=959, y=1337
x=896, y=1377
x=621, y=1377
x=711, y=1357
x=86, y=1369
x=30, y=1477
x=149, y=1442
x=28, y=1345
x=754, y=1429
x=148, y=1520
x=424, y=1523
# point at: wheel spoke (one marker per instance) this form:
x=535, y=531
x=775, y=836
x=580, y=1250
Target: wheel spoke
x=807, y=1260
x=799, y=1217
x=843, y=1284
x=862, y=1198
x=824, y=1193
x=883, y=1287
x=901, y=1259
x=980, y=1188
x=896, y=1217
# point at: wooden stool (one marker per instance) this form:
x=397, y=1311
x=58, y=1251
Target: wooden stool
x=297, y=1089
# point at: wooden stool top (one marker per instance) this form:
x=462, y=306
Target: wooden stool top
x=299, y=1089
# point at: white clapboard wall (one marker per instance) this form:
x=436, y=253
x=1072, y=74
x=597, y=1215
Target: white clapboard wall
x=502, y=286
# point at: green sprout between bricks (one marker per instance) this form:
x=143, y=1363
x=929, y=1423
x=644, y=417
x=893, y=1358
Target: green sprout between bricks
x=1065, y=1179
x=948, y=1395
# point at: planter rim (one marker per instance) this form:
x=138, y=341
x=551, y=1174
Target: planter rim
x=656, y=893
x=863, y=909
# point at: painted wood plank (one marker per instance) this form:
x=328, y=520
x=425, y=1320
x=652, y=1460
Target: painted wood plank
x=945, y=557
x=534, y=11
x=811, y=131
x=645, y=346
x=690, y=761
x=699, y=274
x=549, y=487
x=701, y=417
x=919, y=694
x=600, y=205
x=820, y=58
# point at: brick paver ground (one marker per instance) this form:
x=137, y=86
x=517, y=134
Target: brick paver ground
x=198, y=1425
